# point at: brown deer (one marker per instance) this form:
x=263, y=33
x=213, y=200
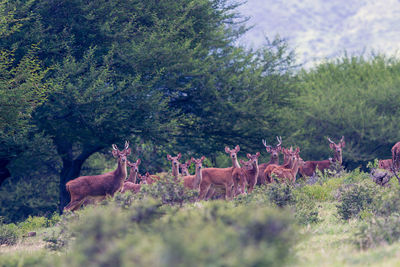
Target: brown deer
x=193, y=181
x=99, y=185
x=289, y=174
x=185, y=167
x=235, y=164
x=131, y=183
x=231, y=179
x=396, y=156
x=385, y=164
x=274, y=151
x=175, y=164
x=289, y=158
x=150, y=179
x=250, y=169
x=308, y=169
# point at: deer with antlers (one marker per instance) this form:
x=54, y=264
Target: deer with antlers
x=175, y=164
x=131, y=183
x=101, y=185
x=193, y=181
x=250, y=169
x=274, y=151
x=308, y=169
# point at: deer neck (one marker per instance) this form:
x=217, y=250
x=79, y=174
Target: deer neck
x=338, y=158
x=235, y=163
x=132, y=176
x=175, y=170
x=120, y=172
x=296, y=166
x=197, y=178
x=274, y=160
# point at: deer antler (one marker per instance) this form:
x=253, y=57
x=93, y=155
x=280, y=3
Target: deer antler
x=279, y=141
x=126, y=145
x=114, y=147
x=265, y=143
x=330, y=140
x=342, y=140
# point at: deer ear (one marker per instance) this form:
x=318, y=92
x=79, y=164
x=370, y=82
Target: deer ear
x=138, y=162
x=227, y=149
x=343, y=143
x=248, y=156
x=332, y=146
x=128, y=151
x=237, y=148
x=192, y=159
x=268, y=148
x=115, y=153
x=203, y=158
x=169, y=157
x=179, y=156
x=279, y=148
x=258, y=154
x=241, y=161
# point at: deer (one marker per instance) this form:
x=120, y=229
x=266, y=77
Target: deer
x=150, y=179
x=102, y=185
x=250, y=169
x=396, y=156
x=274, y=151
x=193, y=181
x=308, y=169
x=131, y=183
x=175, y=164
x=289, y=158
x=289, y=173
x=235, y=164
x=184, y=167
x=385, y=164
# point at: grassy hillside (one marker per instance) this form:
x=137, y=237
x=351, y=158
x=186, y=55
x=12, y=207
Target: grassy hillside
x=342, y=219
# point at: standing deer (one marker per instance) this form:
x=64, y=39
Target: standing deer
x=308, y=169
x=250, y=169
x=131, y=183
x=289, y=158
x=99, y=185
x=175, y=164
x=193, y=181
x=185, y=166
x=289, y=174
x=396, y=156
x=274, y=151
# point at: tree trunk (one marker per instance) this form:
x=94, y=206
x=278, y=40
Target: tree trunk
x=4, y=172
x=71, y=170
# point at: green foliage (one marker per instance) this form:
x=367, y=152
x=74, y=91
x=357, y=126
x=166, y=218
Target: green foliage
x=305, y=209
x=8, y=234
x=281, y=194
x=27, y=259
x=355, y=198
x=35, y=223
x=169, y=191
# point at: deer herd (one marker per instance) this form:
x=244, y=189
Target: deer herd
x=233, y=180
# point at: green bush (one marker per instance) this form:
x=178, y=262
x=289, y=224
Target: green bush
x=31, y=259
x=36, y=222
x=356, y=198
x=306, y=210
x=281, y=194
x=8, y=234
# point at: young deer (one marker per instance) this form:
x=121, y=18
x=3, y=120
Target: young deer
x=233, y=155
x=251, y=170
x=150, y=179
x=99, y=185
x=308, y=169
x=185, y=166
x=274, y=151
x=175, y=164
x=385, y=164
x=396, y=156
x=289, y=173
x=131, y=183
x=193, y=181
x=289, y=158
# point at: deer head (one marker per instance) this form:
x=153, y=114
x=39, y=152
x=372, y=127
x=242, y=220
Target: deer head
x=233, y=154
x=121, y=155
x=184, y=167
x=247, y=165
x=337, y=148
x=198, y=162
x=175, y=164
x=134, y=166
x=274, y=151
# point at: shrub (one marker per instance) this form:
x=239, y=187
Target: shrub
x=281, y=194
x=36, y=222
x=306, y=210
x=355, y=198
x=8, y=234
x=24, y=259
x=169, y=191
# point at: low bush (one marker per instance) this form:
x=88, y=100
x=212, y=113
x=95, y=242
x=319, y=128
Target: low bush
x=37, y=222
x=305, y=209
x=355, y=198
x=281, y=194
x=8, y=234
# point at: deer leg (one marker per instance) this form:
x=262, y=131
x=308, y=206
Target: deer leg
x=204, y=187
x=228, y=193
